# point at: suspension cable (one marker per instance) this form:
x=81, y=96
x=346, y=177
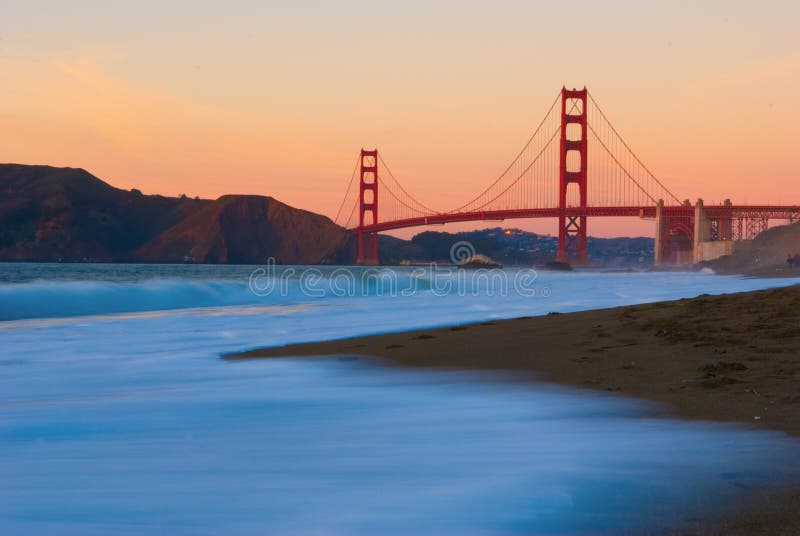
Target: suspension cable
x=614, y=130
x=614, y=158
x=522, y=174
x=400, y=186
x=349, y=186
x=533, y=136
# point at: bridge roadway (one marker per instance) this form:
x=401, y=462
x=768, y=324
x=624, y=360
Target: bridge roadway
x=712, y=211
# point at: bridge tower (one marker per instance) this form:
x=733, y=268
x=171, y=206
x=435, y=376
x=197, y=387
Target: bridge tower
x=368, y=204
x=572, y=170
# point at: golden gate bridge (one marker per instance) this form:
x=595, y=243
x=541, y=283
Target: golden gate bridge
x=574, y=166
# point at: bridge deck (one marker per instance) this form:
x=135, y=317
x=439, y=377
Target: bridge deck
x=712, y=211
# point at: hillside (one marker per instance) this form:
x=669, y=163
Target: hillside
x=248, y=229
x=764, y=255
x=66, y=214
x=514, y=247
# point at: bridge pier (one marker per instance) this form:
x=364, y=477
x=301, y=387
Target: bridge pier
x=713, y=236
x=658, y=246
x=702, y=230
x=674, y=234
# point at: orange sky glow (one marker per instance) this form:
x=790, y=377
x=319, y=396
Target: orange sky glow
x=208, y=98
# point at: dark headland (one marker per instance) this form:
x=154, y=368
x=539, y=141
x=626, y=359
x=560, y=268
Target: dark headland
x=733, y=358
x=66, y=214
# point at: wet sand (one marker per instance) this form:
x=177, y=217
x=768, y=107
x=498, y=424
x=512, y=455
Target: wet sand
x=732, y=357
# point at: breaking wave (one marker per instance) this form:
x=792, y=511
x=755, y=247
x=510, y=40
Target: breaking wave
x=48, y=299
x=58, y=299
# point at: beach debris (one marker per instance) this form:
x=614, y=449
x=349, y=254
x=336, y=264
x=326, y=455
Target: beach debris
x=722, y=367
x=713, y=381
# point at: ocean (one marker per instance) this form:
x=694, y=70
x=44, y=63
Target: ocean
x=117, y=414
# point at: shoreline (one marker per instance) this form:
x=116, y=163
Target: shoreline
x=728, y=358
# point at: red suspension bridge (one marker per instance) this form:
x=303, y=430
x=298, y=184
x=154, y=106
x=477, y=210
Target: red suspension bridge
x=574, y=166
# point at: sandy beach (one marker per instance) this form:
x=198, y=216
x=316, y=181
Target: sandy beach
x=732, y=358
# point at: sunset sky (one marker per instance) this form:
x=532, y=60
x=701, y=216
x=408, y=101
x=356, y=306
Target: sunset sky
x=276, y=98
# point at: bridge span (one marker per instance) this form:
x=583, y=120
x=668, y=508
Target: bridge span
x=573, y=148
